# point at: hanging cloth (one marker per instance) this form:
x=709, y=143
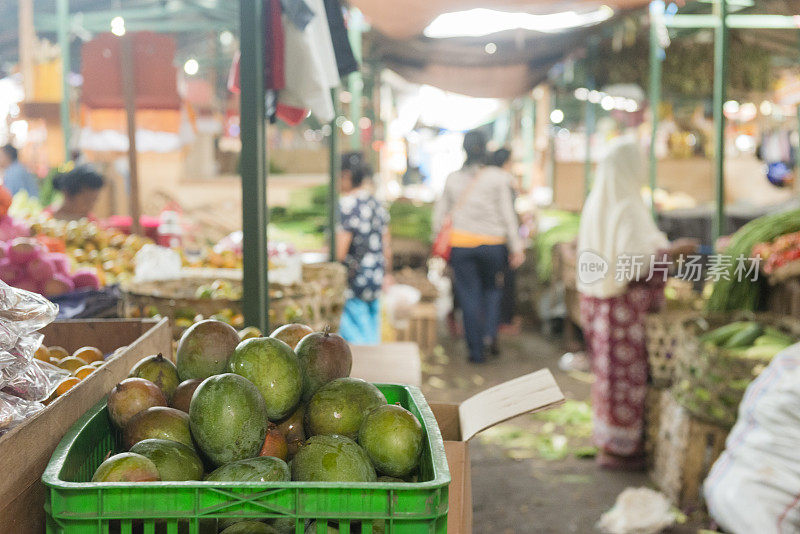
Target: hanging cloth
x=345, y=59
x=274, y=45
x=310, y=66
x=274, y=52
x=298, y=12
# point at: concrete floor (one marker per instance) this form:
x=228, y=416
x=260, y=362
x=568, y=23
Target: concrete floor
x=528, y=494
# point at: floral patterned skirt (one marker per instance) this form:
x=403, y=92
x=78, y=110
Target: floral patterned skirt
x=615, y=337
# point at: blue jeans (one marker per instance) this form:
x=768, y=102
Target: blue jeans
x=478, y=285
x=361, y=322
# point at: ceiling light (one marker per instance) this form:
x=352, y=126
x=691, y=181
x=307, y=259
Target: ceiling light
x=556, y=116
x=480, y=21
x=490, y=48
x=118, y=26
x=225, y=38
x=191, y=67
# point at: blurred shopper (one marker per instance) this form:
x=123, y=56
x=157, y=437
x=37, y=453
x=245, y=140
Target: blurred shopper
x=81, y=188
x=363, y=245
x=16, y=177
x=616, y=224
x=501, y=159
x=477, y=202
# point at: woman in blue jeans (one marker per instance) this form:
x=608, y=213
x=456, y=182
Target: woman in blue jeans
x=484, y=239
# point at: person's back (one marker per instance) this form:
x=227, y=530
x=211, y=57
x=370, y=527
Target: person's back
x=486, y=209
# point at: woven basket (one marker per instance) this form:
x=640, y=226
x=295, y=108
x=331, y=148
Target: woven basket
x=664, y=336
x=710, y=381
x=317, y=301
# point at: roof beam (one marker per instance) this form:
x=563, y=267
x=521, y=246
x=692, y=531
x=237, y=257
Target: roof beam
x=752, y=22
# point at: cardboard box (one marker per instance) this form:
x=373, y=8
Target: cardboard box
x=460, y=422
x=26, y=449
x=400, y=363
x=395, y=363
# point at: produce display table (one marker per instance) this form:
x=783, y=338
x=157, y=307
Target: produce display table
x=27, y=448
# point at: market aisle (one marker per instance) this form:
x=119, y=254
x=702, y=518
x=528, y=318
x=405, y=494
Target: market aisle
x=529, y=493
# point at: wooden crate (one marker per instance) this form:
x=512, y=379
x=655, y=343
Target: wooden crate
x=684, y=450
x=26, y=449
x=421, y=328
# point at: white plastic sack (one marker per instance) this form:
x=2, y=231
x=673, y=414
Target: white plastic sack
x=399, y=301
x=755, y=484
x=638, y=511
x=157, y=263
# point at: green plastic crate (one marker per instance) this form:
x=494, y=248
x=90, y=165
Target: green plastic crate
x=76, y=506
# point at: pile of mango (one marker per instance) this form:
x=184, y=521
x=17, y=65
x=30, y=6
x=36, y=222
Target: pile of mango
x=249, y=408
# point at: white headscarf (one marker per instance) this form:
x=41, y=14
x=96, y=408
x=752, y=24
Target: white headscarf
x=615, y=220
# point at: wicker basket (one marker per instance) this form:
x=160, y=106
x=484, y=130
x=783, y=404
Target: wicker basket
x=710, y=381
x=664, y=337
x=318, y=301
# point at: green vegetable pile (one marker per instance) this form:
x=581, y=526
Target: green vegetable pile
x=731, y=294
x=748, y=339
x=558, y=227
x=411, y=220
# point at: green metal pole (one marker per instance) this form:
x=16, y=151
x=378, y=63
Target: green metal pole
x=720, y=79
x=355, y=82
x=333, y=182
x=255, y=295
x=589, y=119
x=528, y=124
x=551, y=167
x=63, y=43
x=656, y=12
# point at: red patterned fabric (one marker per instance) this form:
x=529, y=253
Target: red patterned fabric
x=615, y=337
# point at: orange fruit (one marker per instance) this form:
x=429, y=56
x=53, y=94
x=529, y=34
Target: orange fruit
x=58, y=352
x=89, y=354
x=83, y=372
x=71, y=363
x=42, y=354
x=67, y=384
x=97, y=364
x=54, y=360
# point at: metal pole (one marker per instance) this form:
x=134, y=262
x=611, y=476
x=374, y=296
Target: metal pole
x=656, y=12
x=551, y=167
x=720, y=79
x=528, y=124
x=589, y=119
x=255, y=295
x=63, y=43
x=129, y=95
x=355, y=81
x=333, y=182
x=27, y=36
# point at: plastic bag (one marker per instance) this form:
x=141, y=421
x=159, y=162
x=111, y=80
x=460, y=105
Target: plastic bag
x=14, y=410
x=23, y=312
x=399, y=301
x=638, y=511
x=37, y=382
x=754, y=484
x=18, y=358
x=153, y=262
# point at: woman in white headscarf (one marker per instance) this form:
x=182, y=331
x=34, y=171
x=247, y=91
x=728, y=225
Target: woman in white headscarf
x=621, y=274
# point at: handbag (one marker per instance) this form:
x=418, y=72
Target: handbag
x=441, y=244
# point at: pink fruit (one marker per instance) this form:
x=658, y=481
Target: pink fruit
x=40, y=269
x=27, y=284
x=9, y=273
x=23, y=250
x=86, y=277
x=60, y=262
x=57, y=285
x=3, y=249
